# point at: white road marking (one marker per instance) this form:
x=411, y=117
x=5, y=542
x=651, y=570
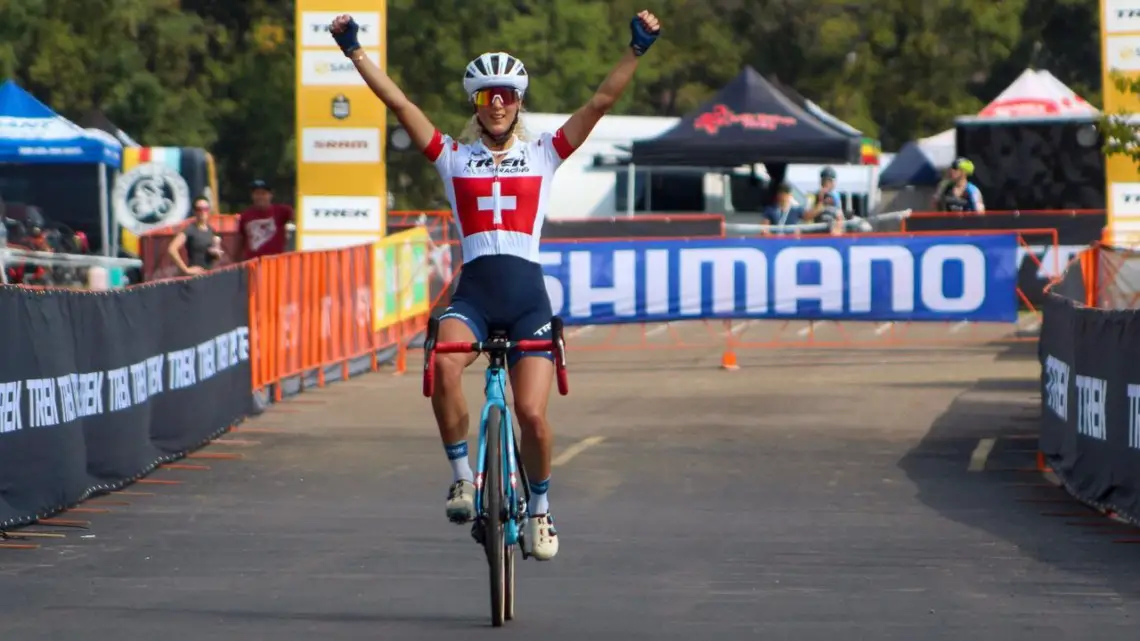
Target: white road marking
x=883, y=328
x=960, y=325
x=810, y=328
x=981, y=454
x=740, y=327
x=657, y=330
x=576, y=449
x=578, y=331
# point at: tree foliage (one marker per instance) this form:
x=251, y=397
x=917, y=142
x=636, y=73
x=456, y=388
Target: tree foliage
x=219, y=73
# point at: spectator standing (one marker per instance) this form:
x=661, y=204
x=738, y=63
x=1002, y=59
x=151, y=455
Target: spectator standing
x=828, y=206
x=784, y=211
x=261, y=227
x=827, y=199
x=203, y=244
x=957, y=193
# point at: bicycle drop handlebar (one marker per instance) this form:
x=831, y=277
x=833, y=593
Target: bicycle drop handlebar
x=489, y=346
x=555, y=345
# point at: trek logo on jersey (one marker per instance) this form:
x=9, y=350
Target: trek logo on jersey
x=481, y=165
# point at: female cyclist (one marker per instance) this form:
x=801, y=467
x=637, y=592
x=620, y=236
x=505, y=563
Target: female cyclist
x=498, y=181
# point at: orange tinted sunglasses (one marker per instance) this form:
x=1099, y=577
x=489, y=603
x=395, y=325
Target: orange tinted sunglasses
x=484, y=97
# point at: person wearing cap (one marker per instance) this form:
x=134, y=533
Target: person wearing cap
x=262, y=226
x=957, y=193
x=827, y=198
x=784, y=212
x=828, y=205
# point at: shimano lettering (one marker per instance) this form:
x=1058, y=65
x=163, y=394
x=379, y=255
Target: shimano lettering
x=829, y=290
x=723, y=263
x=341, y=213
x=622, y=293
x=973, y=263
x=862, y=260
x=779, y=279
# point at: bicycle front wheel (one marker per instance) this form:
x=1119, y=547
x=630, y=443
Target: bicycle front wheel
x=493, y=500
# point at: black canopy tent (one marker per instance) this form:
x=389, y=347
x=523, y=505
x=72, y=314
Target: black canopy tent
x=752, y=120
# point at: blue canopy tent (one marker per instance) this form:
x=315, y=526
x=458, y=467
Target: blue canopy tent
x=920, y=162
x=32, y=134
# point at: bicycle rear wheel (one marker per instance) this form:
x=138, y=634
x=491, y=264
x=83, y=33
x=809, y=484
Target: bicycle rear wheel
x=493, y=537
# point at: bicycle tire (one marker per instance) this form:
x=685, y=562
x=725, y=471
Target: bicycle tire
x=509, y=588
x=493, y=499
x=511, y=561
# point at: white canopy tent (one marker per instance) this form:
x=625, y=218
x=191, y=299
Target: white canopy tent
x=1033, y=93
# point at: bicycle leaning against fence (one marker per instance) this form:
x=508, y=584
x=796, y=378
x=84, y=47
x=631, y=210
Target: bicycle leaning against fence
x=500, y=509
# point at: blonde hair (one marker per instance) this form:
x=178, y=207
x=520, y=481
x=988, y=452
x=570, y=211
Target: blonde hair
x=473, y=130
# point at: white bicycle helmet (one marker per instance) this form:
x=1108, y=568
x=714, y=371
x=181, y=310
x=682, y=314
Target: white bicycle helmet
x=495, y=70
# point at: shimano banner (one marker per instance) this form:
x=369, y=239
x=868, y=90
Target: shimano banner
x=939, y=278
x=97, y=388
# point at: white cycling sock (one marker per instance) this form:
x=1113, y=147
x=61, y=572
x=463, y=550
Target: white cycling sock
x=460, y=466
x=539, y=501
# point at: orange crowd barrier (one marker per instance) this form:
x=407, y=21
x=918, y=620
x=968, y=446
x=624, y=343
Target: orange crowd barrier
x=315, y=312
x=1110, y=275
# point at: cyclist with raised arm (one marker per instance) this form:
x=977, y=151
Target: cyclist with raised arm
x=498, y=181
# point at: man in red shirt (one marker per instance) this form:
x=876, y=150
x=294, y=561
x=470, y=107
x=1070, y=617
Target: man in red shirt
x=262, y=226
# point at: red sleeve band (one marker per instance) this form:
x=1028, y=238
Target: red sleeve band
x=562, y=146
x=435, y=147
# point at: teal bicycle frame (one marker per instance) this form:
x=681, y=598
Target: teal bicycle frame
x=495, y=385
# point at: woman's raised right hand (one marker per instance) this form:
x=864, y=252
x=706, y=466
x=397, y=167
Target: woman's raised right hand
x=340, y=23
x=344, y=30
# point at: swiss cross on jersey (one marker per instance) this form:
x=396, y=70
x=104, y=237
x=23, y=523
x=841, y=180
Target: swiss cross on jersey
x=508, y=203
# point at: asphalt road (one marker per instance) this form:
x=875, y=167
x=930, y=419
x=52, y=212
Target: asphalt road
x=811, y=495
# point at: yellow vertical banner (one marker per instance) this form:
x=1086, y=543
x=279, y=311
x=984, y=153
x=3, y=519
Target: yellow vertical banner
x=342, y=194
x=1120, y=57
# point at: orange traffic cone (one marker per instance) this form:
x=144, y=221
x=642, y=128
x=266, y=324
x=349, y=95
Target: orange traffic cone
x=728, y=360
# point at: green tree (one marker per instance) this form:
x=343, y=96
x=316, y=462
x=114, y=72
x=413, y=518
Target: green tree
x=896, y=69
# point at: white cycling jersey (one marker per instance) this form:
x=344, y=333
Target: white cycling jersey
x=499, y=208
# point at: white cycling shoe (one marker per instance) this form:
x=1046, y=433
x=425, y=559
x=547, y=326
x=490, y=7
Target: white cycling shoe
x=540, y=539
x=461, y=502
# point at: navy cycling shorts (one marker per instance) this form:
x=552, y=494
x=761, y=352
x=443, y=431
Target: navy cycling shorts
x=503, y=292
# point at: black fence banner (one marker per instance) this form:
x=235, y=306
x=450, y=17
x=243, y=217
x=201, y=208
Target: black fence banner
x=1075, y=232
x=1090, y=402
x=98, y=388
